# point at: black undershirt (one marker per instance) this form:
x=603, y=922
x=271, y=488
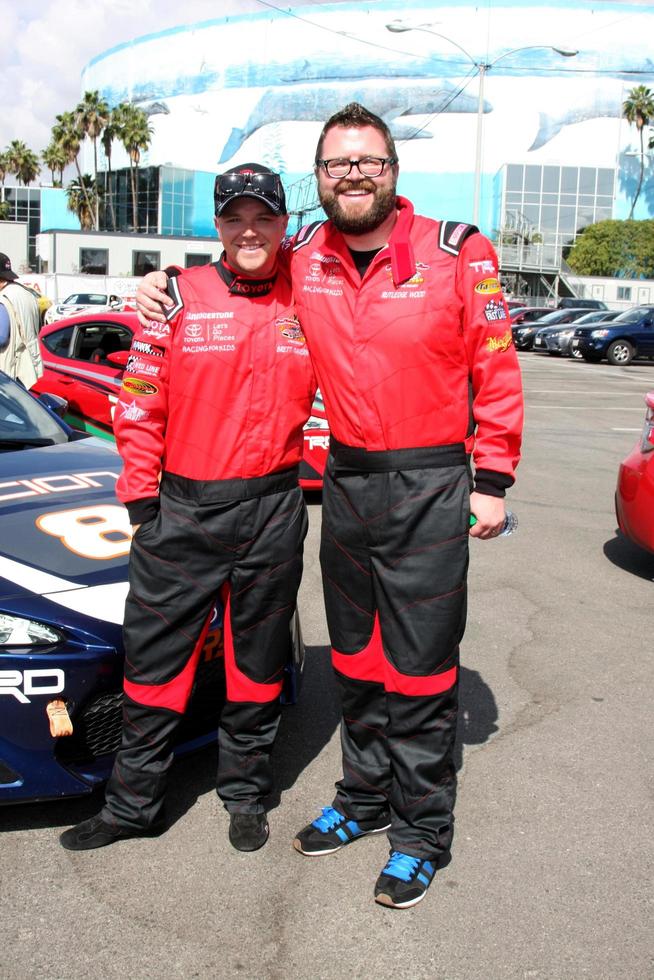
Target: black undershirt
x=363, y=259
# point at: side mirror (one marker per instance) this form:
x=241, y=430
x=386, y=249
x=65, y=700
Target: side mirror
x=57, y=405
x=118, y=358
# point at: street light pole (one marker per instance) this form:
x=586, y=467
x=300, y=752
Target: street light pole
x=398, y=27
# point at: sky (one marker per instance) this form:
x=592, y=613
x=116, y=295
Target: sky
x=47, y=43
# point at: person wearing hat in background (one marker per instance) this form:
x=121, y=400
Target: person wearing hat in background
x=20, y=354
x=210, y=427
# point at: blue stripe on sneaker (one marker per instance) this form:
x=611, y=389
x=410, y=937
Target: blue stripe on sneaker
x=353, y=827
x=425, y=881
x=340, y=833
x=428, y=866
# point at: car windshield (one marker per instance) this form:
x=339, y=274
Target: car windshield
x=555, y=317
x=87, y=299
x=23, y=422
x=630, y=316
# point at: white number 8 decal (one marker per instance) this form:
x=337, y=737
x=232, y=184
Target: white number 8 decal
x=101, y=532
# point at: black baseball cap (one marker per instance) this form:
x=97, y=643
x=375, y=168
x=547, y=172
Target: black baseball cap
x=5, y=268
x=249, y=180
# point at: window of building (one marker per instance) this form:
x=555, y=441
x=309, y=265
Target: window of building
x=532, y=179
x=569, y=177
x=624, y=292
x=94, y=261
x=551, y=179
x=144, y=262
x=192, y=259
x=587, y=177
x=514, y=174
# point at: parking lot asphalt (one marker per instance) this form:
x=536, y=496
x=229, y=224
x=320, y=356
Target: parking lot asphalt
x=551, y=870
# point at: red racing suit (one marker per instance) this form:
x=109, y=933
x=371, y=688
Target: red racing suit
x=210, y=426
x=417, y=368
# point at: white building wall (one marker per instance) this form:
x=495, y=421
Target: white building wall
x=13, y=242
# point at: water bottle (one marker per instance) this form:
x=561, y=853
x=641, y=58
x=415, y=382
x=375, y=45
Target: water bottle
x=509, y=526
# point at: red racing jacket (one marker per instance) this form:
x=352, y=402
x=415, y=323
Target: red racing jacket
x=220, y=391
x=419, y=352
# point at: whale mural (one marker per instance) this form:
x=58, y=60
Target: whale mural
x=261, y=85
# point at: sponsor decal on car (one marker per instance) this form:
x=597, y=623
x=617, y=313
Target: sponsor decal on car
x=57, y=483
x=136, y=386
x=500, y=343
x=494, y=310
x=20, y=683
x=487, y=286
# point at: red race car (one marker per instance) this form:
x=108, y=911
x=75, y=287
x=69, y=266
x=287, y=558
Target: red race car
x=84, y=357
x=634, y=496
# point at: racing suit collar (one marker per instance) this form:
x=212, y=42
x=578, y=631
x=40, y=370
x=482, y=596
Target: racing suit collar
x=403, y=263
x=243, y=285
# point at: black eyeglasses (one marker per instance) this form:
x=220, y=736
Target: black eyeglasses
x=367, y=166
x=267, y=185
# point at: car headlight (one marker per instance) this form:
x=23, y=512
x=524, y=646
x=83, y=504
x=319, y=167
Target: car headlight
x=600, y=333
x=18, y=632
x=564, y=334
x=314, y=422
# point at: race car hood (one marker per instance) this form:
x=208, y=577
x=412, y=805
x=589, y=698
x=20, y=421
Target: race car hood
x=63, y=534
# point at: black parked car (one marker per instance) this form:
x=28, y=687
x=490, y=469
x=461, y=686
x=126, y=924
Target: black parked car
x=524, y=337
x=630, y=335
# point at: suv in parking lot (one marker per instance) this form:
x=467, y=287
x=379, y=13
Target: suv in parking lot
x=586, y=304
x=630, y=335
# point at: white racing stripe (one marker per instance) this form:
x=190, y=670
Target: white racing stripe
x=104, y=602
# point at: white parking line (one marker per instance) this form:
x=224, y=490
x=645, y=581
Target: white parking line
x=588, y=408
x=624, y=430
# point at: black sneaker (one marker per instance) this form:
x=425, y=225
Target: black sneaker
x=332, y=830
x=404, y=881
x=96, y=832
x=248, y=831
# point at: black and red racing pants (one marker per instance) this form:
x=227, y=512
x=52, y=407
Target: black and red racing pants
x=242, y=540
x=394, y=556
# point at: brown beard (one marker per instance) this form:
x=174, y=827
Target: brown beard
x=382, y=206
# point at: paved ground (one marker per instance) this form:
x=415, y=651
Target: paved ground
x=552, y=865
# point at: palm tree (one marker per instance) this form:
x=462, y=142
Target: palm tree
x=638, y=109
x=23, y=162
x=135, y=133
x=83, y=200
x=4, y=167
x=109, y=134
x=91, y=116
x=55, y=160
x=66, y=133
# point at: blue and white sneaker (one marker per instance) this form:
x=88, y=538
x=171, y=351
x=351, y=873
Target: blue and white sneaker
x=404, y=881
x=332, y=830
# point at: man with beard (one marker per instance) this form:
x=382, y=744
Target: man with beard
x=410, y=340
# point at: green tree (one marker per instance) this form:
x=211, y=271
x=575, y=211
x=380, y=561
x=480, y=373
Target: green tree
x=91, y=116
x=55, y=160
x=638, y=109
x=615, y=248
x=23, y=162
x=135, y=133
x=67, y=135
x=84, y=200
x=109, y=134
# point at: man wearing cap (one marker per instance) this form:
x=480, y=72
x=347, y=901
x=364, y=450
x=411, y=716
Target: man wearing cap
x=410, y=339
x=210, y=427
x=20, y=355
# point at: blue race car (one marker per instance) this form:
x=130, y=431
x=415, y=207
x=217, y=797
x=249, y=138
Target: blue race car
x=64, y=546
